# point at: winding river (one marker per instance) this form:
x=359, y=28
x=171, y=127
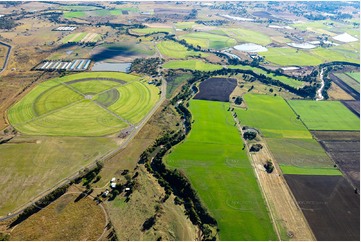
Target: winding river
x=319, y=91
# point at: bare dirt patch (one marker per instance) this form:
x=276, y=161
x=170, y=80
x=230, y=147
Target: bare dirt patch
x=216, y=89
x=354, y=106
x=344, y=149
x=329, y=204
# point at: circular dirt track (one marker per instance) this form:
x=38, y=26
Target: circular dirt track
x=86, y=104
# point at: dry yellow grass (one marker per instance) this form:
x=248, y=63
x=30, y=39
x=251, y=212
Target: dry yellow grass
x=63, y=220
x=336, y=93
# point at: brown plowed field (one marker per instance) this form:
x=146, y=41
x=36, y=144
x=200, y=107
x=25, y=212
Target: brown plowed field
x=216, y=89
x=354, y=106
x=344, y=149
x=329, y=204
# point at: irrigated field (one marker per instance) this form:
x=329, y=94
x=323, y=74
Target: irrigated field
x=247, y=35
x=175, y=50
x=92, y=104
x=213, y=159
x=192, y=65
x=286, y=56
x=32, y=164
x=289, y=140
x=272, y=116
x=325, y=115
x=302, y=156
x=208, y=40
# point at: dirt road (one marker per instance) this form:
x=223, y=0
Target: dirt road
x=288, y=219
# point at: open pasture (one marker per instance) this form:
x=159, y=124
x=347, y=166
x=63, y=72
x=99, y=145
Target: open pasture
x=213, y=160
x=192, y=65
x=32, y=164
x=175, y=50
x=329, y=204
x=325, y=115
x=87, y=104
x=209, y=40
x=247, y=36
x=272, y=116
x=355, y=85
x=301, y=156
x=82, y=220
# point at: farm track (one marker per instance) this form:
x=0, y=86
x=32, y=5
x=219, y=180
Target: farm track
x=91, y=165
x=284, y=210
x=7, y=56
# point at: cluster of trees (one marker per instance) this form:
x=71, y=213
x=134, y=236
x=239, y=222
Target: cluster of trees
x=7, y=23
x=268, y=166
x=174, y=181
x=147, y=66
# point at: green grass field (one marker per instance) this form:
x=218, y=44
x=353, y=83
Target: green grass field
x=272, y=116
x=74, y=14
x=213, y=159
x=32, y=164
x=294, y=170
x=192, y=65
x=208, y=40
x=354, y=75
x=77, y=37
x=136, y=100
x=151, y=30
x=247, y=35
x=88, y=107
x=305, y=155
x=185, y=25
x=174, y=50
x=175, y=82
x=286, y=56
x=325, y=115
x=355, y=85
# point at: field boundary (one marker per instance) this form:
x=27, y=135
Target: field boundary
x=275, y=208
